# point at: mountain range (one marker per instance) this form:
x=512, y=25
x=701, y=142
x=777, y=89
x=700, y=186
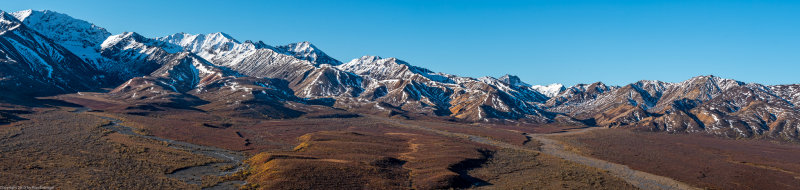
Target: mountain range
x=45, y=53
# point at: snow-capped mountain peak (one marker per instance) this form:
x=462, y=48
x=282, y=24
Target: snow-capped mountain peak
x=309, y=52
x=300, y=47
x=513, y=80
x=135, y=39
x=370, y=64
x=714, y=82
x=31, y=60
x=7, y=22
x=76, y=35
x=221, y=46
x=112, y=40
x=550, y=90
x=390, y=68
x=258, y=45
x=133, y=46
x=199, y=43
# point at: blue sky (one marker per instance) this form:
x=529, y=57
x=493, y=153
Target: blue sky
x=560, y=41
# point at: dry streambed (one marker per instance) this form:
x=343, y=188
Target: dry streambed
x=229, y=161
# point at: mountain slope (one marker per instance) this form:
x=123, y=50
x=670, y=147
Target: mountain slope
x=189, y=82
x=96, y=46
x=705, y=104
x=32, y=64
x=78, y=36
x=306, y=77
x=413, y=89
x=309, y=52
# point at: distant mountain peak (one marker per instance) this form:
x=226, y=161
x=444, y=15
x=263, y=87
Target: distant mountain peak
x=133, y=40
x=714, y=82
x=114, y=39
x=708, y=77
x=307, y=51
x=370, y=58
x=390, y=68
x=376, y=62
x=224, y=35
x=304, y=45
x=596, y=87
x=199, y=43
x=513, y=80
x=8, y=22
x=219, y=36
x=259, y=44
x=300, y=47
x=23, y=13
x=550, y=90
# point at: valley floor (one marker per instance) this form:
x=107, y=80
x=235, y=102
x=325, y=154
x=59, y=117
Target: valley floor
x=77, y=148
x=66, y=150
x=73, y=148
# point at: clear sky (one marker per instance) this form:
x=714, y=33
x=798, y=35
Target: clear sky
x=559, y=41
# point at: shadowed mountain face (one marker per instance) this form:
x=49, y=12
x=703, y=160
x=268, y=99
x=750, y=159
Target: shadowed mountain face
x=32, y=64
x=46, y=53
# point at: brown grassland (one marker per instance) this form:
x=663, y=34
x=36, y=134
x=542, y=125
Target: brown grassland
x=702, y=161
x=70, y=150
x=513, y=169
